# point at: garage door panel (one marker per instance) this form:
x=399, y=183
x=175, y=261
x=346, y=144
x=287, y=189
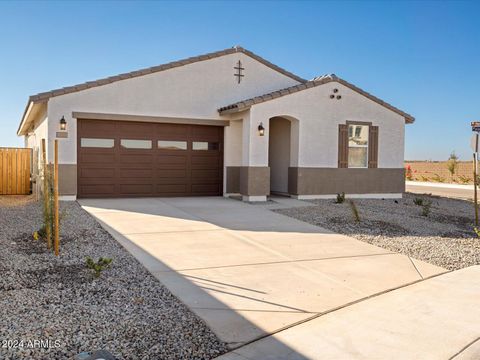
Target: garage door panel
x=136, y=189
x=95, y=172
x=172, y=181
x=205, y=163
x=165, y=189
x=137, y=129
x=204, y=181
x=136, y=173
x=205, y=188
x=99, y=151
x=173, y=159
x=169, y=167
x=199, y=132
x=94, y=128
x=128, y=158
x=135, y=180
x=97, y=158
x=169, y=131
x=171, y=173
x=98, y=180
x=205, y=174
x=97, y=189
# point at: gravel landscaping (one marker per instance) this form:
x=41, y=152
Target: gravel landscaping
x=445, y=237
x=126, y=311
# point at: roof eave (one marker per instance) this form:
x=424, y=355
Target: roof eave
x=27, y=116
x=26, y=112
x=233, y=108
x=158, y=68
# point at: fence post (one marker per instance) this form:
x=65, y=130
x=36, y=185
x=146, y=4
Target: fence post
x=55, y=196
x=475, y=184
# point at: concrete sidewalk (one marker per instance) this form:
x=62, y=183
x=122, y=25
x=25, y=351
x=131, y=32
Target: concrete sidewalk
x=246, y=271
x=436, y=319
x=455, y=191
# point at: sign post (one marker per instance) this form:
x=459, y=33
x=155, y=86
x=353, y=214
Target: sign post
x=56, y=239
x=474, y=144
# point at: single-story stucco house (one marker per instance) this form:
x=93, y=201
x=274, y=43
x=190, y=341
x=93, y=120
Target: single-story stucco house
x=224, y=123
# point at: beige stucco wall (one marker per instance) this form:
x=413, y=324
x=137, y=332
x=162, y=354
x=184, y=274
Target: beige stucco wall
x=193, y=91
x=33, y=140
x=318, y=119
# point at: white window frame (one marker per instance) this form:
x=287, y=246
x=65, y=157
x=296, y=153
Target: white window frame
x=354, y=125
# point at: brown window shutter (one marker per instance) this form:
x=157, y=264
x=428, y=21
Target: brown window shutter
x=342, y=146
x=373, y=147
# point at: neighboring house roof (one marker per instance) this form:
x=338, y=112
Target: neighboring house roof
x=44, y=96
x=246, y=104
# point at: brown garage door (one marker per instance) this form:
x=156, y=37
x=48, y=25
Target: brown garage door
x=128, y=159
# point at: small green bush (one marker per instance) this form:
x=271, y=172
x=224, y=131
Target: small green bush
x=426, y=208
x=98, y=266
x=477, y=231
x=340, y=198
x=424, y=178
x=418, y=201
x=42, y=232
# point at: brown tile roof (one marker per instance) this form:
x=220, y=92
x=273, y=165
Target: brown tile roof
x=246, y=104
x=70, y=89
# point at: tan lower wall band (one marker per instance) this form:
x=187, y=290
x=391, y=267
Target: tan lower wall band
x=67, y=179
x=248, y=180
x=255, y=181
x=324, y=181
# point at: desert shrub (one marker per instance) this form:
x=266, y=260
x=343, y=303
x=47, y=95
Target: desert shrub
x=426, y=208
x=356, y=214
x=452, y=164
x=418, y=201
x=464, y=179
x=438, y=178
x=477, y=231
x=340, y=198
x=98, y=266
x=408, y=173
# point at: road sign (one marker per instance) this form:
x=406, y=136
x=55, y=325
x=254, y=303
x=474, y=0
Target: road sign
x=474, y=143
x=475, y=125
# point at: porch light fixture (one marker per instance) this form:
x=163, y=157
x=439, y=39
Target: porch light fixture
x=261, y=130
x=63, y=124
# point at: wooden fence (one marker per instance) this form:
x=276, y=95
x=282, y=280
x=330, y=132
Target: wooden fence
x=15, y=166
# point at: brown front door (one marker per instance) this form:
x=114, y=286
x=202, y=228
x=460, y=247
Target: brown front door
x=131, y=159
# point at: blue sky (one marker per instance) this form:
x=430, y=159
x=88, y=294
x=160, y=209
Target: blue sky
x=423, y=57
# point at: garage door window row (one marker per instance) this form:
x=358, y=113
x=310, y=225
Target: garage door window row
x=147, y=144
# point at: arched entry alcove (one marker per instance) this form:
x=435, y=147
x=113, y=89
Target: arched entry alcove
x=282, y=151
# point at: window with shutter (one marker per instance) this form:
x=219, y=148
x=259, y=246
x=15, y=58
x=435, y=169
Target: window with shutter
x=357, y=145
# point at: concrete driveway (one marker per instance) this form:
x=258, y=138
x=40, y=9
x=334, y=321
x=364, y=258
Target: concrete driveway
x=247, y=271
